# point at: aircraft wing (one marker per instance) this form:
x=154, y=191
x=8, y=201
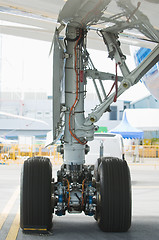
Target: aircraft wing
x=32, y=19
x=6, y=114
x=38, y=19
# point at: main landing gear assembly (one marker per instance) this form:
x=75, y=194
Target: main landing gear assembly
x=105, y=195
x=102, y=190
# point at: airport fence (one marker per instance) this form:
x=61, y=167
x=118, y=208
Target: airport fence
x=142, y=154
x=17, y=154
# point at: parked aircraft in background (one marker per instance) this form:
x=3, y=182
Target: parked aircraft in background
x=151, y=78
x=5, y=142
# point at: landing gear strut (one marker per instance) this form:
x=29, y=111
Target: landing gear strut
x=103, y=191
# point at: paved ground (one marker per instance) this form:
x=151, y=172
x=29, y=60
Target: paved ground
x=145, y=222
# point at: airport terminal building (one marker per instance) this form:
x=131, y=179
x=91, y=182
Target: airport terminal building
x=39, y=106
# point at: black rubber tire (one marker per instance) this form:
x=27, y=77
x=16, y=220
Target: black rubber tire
x=114, y=204
x=35, y=195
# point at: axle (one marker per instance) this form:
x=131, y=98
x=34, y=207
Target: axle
x=75, y=190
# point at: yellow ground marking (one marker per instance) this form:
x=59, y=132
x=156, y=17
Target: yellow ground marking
x=8, y=207
x=13, y=232
x=35, y=229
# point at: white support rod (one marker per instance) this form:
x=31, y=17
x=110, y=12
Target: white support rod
x=101, y=75
x=97, y=91
x=130, y=80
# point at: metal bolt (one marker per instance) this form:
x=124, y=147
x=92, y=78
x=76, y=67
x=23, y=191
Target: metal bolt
x=125, y=85
x=92, y=119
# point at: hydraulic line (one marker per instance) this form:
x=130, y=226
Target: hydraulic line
x=77, y=93
x=115, y=84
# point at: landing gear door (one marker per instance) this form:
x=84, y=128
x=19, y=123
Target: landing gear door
x=58, y=86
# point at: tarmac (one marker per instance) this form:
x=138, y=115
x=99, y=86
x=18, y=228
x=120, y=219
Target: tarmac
x=145, y=201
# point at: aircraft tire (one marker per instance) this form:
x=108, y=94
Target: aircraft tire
x=35, y=195
x=114, y=200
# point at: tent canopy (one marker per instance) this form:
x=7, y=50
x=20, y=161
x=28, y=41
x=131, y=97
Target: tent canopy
x=146, y=119
x=126, y=130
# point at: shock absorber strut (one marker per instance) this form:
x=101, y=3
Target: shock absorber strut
x=74, y=149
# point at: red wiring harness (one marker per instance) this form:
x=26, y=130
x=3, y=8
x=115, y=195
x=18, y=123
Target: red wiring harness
x=77, y=94
x=115, y=84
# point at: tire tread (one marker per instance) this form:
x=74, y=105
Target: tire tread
x=115, y=189
x=35, y=200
